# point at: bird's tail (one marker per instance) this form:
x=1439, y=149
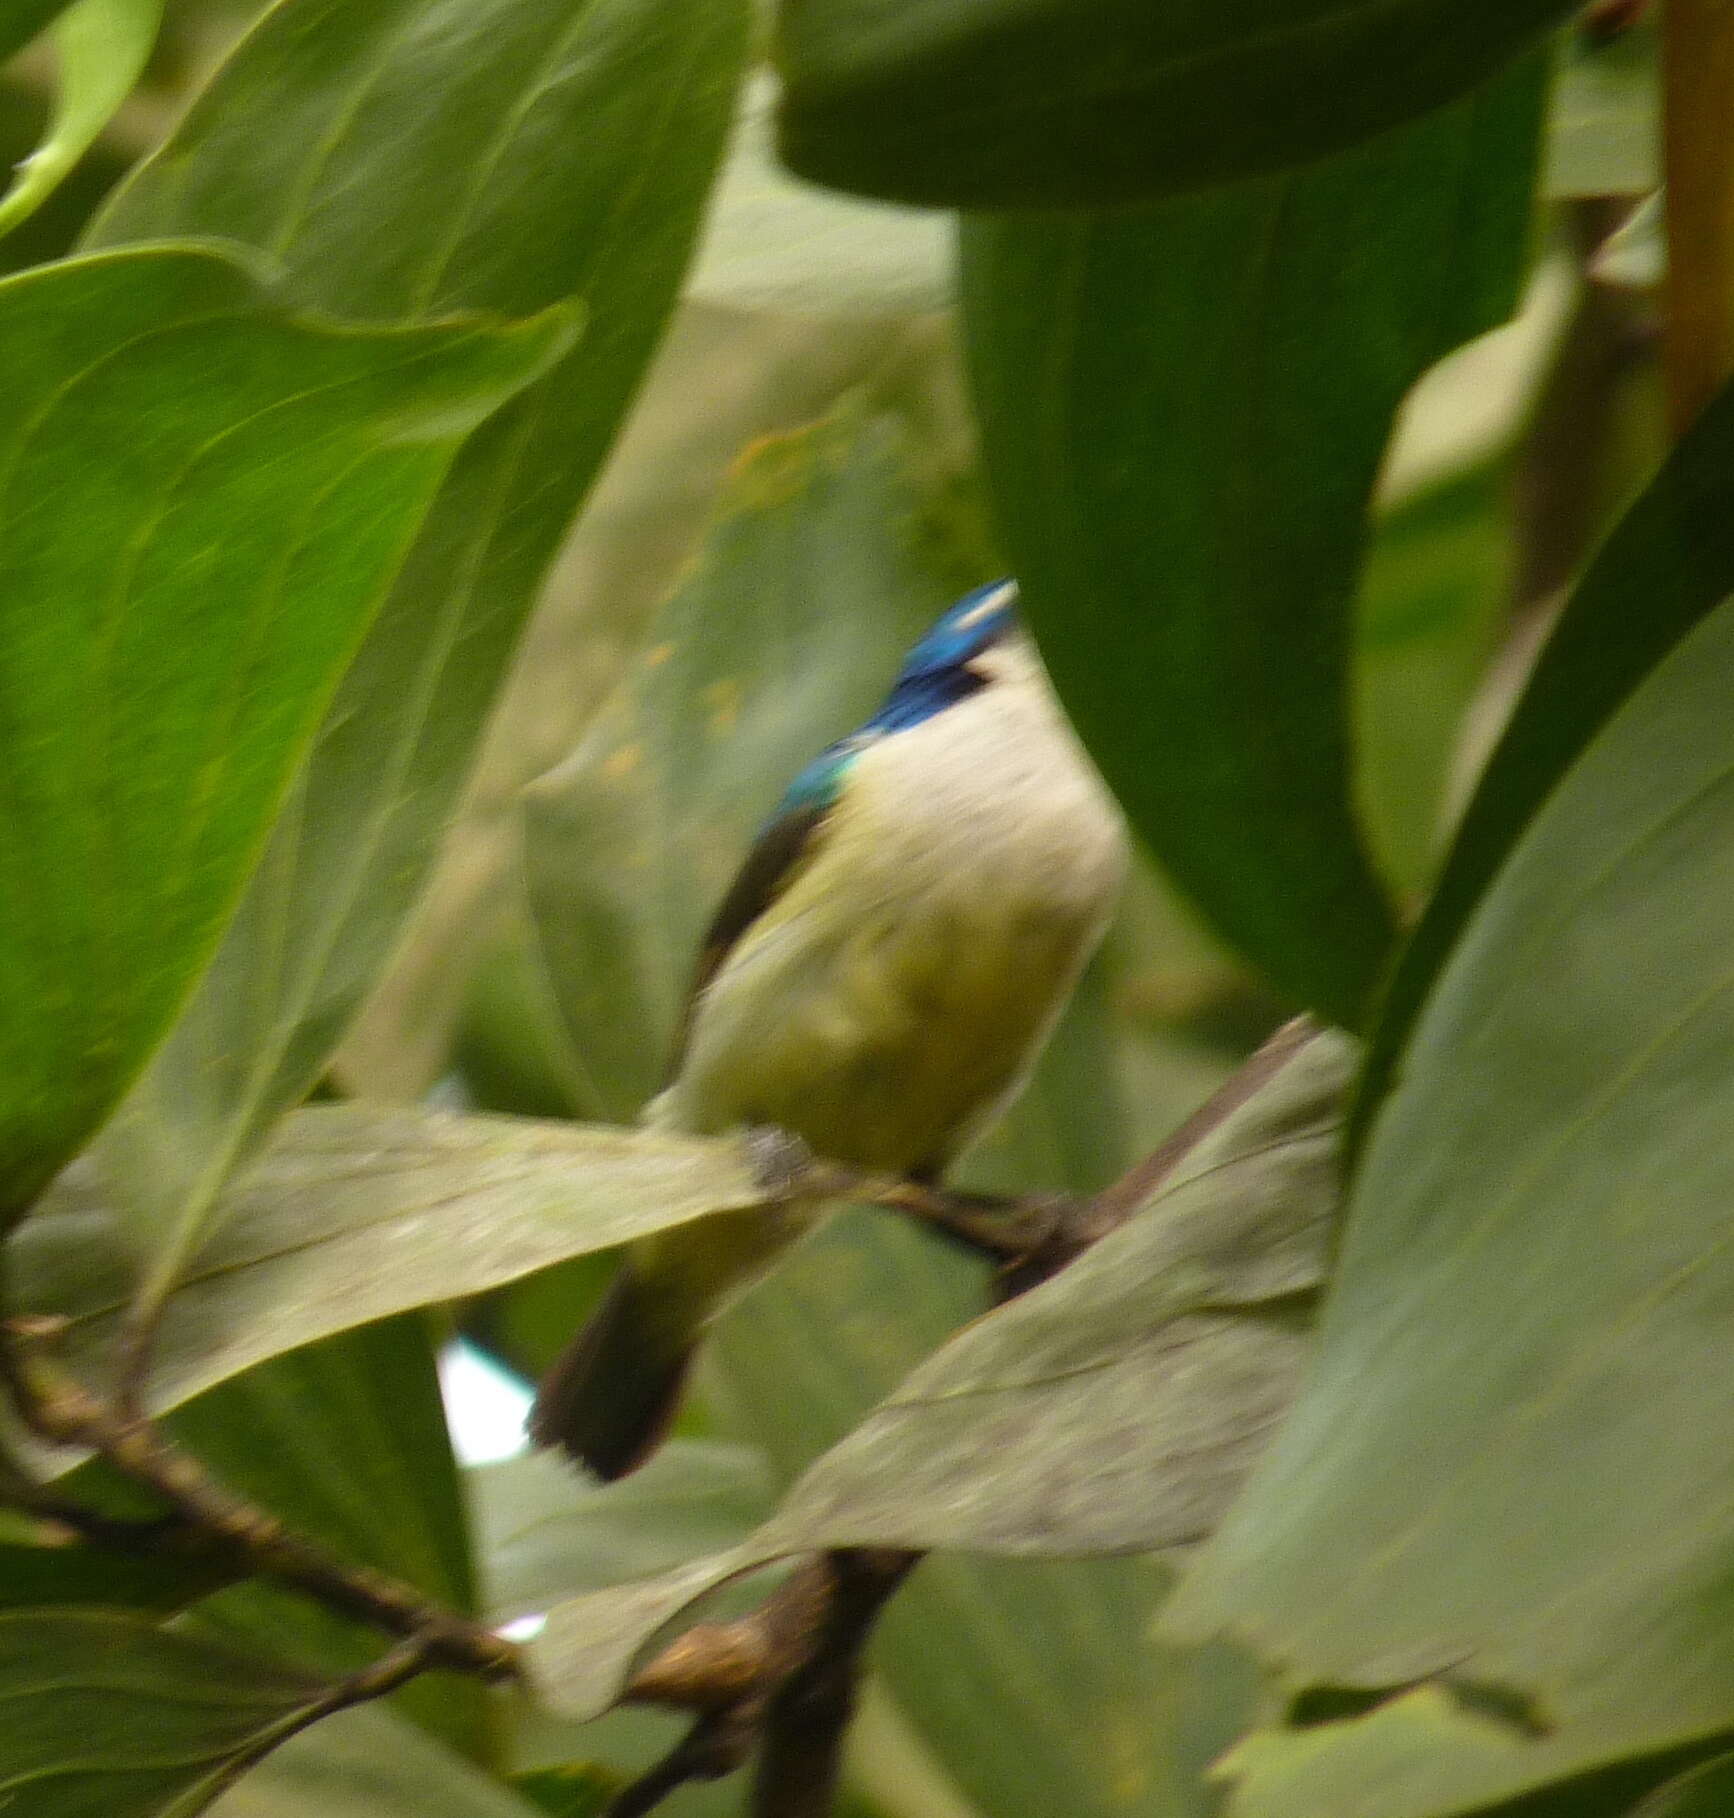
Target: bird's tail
x=611, y=1395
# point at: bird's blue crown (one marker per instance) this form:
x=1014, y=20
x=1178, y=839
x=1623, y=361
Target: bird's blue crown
x=935, y=675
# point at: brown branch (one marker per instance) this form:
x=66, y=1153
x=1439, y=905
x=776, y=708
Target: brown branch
x=779, y=1682
x=1114, y=1205
x=801, y=1750
x=205, y=1516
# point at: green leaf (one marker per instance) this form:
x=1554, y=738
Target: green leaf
x=346, y=1441
x=1706, y=1792
x=398, y=157
x=1526, y=1339
x=1604, y=134
x=368, y=1763
x=22, y=20
x=102, y=47
x=108, y=1717
x=1037, y=1689
x=1429, y=616
x=811, y=586
x=204, y=499
x=1184, y=411
x=1087, y=103
x=37, y=1576
x=356, y=1215
x=1118, y=1407
x=545, y=1534
x=1674, y=550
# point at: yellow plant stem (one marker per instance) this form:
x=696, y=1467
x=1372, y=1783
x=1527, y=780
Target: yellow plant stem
x=1698, y=148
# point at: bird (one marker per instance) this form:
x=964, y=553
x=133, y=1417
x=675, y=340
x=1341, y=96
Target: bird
x=878, y=982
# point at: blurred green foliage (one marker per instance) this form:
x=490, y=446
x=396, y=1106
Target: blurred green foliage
x=392, y=674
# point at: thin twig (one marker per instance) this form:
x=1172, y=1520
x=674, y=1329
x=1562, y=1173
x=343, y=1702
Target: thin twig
x=61, y=1411
x=1114, y=1205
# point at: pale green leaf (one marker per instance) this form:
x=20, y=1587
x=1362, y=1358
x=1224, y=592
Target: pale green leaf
x=1505, y=1479
x=774, y=243
x=356, y=1215
x=544, y=1533
x=102, y=47
x=398, y=157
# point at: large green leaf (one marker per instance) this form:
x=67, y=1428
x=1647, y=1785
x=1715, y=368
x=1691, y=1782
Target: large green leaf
x=397, y=157
x=1117, y=1408
x=544, y=1534
x=1505, y=1478
x=346, y=1442
x=1036, y=1689
x=1082, y=103
x=202, y=498
x=1674, y=550
x=1183, y=412
x=36, y=1576
x=356, y=1215
x=108, y=1717
x=367, y=1763
x=1706, y=1792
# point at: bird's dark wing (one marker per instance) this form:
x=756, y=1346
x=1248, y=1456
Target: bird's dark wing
x=775, y=855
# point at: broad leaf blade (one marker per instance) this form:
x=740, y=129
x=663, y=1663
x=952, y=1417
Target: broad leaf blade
x=544, y=1535
x=1086, y=103
x=228, y=489
x=108, y=1715
x=368, y=1763
x=356, y=1215
x=34, y=1577
x=396, y=157
x=1184, y=411
x=1526, y=1340
x=1118, y=1407
x=1674, y=550
x=1706, y=1792
x=346, y=1442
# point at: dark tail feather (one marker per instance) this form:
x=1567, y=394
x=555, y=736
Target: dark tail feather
x=611, y=1395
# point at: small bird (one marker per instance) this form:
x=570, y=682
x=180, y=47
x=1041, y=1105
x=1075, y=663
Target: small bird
x=878, y=981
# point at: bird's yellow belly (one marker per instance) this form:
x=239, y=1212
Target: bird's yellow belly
x=888, y=1045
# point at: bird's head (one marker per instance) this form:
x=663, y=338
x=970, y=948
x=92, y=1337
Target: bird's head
x=977, y=642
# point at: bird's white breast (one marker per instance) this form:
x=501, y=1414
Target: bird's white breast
x=899, y=989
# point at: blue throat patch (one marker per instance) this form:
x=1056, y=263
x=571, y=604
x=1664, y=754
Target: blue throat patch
x=935, y=675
